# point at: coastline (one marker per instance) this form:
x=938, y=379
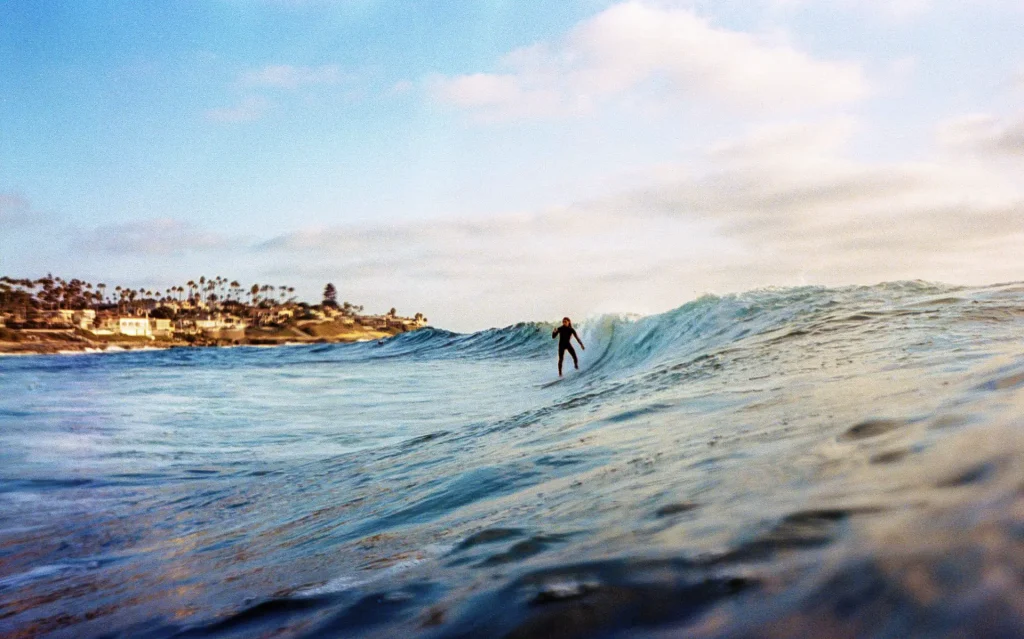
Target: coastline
x=79, y=344
x=52, y=316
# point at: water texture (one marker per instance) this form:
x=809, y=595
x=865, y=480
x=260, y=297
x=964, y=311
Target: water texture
x=794, y=462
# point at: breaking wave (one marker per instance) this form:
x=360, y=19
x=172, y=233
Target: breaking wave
x=776, y=463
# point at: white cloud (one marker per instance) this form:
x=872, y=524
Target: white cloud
x=894, y=9
x=402, y=87
x=641, y=49
x=1017, y=81
x=249, y=109
x=984, y=133
x=782, y=206
x=289, y=77
x=153, y=237
x=902, y=10
x=14, y=209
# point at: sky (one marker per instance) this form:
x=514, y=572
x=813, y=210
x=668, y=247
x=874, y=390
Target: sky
x=489, y=162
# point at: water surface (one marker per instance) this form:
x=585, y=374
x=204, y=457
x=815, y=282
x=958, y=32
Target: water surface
x=793, y=462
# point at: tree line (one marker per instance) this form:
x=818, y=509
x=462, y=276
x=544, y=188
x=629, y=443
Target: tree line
x=56, y=293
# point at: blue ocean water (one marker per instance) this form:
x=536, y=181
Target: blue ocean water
x=792, y=462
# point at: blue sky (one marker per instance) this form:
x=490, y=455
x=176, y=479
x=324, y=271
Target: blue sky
x=489, y=162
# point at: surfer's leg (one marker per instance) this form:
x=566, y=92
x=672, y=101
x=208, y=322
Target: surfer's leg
x=561, y=356
x=575, y=360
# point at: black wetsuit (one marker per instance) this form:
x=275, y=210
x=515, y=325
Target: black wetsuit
x=565, y=334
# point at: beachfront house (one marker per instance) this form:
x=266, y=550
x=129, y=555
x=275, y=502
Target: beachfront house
x=207, y=324
x=374, y=321
x=134, y=327
x=186, y=326
x=69, y=318
x=60, y=318
x=104, y=324
x=84, y=319
x=218, y=327
x=161, y=327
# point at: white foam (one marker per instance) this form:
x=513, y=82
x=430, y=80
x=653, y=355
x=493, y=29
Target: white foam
x=42, y=572
x=336, y=585
x=348, y=582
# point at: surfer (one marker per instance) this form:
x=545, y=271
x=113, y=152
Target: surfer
x=565, y=333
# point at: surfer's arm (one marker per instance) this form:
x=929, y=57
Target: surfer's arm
x=576, y=335
x=554, y=333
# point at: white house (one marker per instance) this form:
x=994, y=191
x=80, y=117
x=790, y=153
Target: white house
x=208, y=324
x=161, y=327
x=84, y=318
x=134, y=326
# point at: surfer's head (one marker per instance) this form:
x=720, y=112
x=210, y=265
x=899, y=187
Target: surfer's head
x=566, y=321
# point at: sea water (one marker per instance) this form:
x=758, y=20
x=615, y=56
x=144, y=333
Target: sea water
x=793, y=462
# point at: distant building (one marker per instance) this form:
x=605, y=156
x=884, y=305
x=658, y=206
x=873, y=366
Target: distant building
x=105, y=324
x=207, y=324
x=187, y=326
x=161, y=327
x=134, y=326
x=58, y=318
x=84, y=319
x=66, y=317
x=219, y=327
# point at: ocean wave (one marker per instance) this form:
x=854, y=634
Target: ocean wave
x=768, y=463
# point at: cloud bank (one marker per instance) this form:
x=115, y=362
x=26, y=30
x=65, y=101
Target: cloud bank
x=153, y=238
x=984, y=133
x=636, y=48
x=784, y=205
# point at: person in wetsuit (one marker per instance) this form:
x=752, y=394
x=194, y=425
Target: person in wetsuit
x=565, y=333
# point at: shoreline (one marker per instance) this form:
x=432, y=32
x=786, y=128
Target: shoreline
x=85, y=346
